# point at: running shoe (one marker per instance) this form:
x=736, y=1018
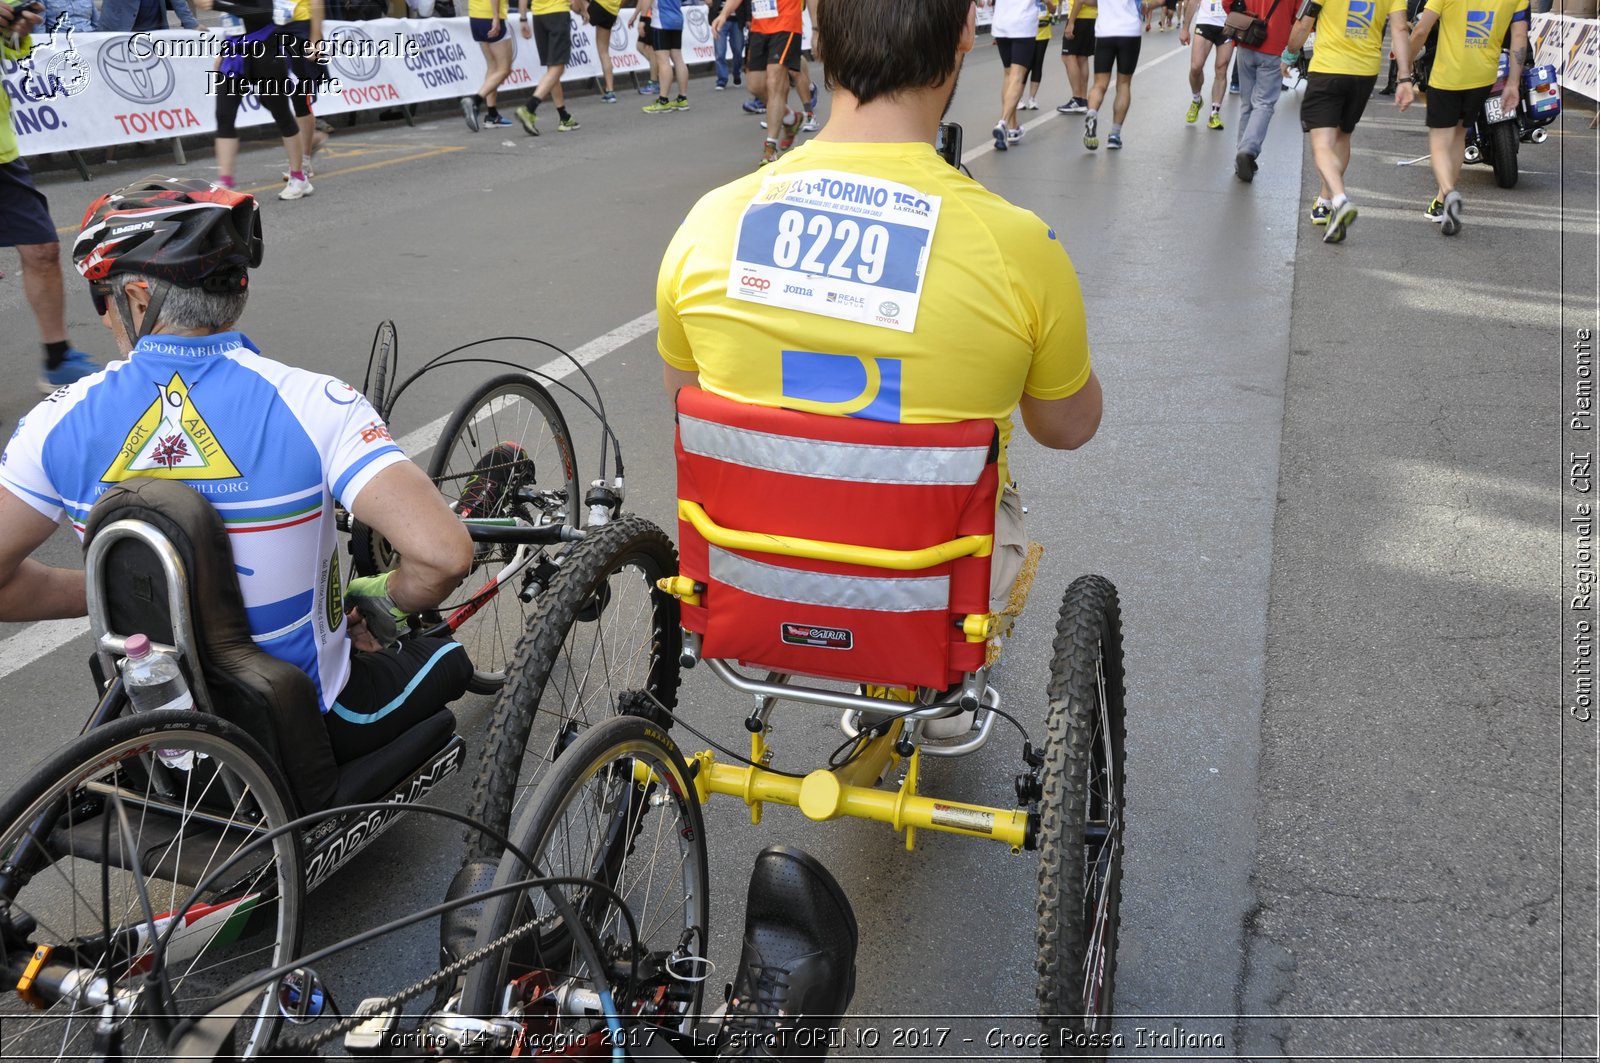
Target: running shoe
x=74, y=367
x=680, y=104
x=1339, y=224
x=1014, y=134
x=1233, y=88
x=721, y=86
x=769, y=152
x=1114, y=141
x=1000, y=136
x=754, y=106
x=1435, y=211
x=608, y=97
x=738, y=78
x=763, y=123
x=1091, y=138
x=650, y=88
x=568, y=124
x=1215, y=121
x=471, y=112
x=1320, y=213
x=296, y=189
x=1029, y=104
x=1452, y=213
x=528, y=120
x=811, y=101
x=305, y=168
x=492, y=119
x=1193, y=114
x=811, y=125
x=790, y=130
x=658, y=107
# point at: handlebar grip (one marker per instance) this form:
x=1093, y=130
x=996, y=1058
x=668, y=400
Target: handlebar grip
x=544, y=535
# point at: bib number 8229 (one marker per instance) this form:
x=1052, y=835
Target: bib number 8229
x=858, y=254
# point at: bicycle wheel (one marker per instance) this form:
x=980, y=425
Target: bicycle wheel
x=602, y=629
x=380, y=366
x=618, y=807
x=1081, y=819
x=505, y=452
x=72, y=886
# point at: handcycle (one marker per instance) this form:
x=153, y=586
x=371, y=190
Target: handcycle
x=821, y=548
x=72, y=881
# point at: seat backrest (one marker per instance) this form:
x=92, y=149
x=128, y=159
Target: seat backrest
x=895, y=524
x=270, y=699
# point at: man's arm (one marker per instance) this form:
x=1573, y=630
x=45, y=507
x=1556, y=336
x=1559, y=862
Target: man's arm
x=673, y=379
x=29, y=590
x=1519, y=48
x=1419, y=32
x=403, y=505
x=727, y=12
x=1405, y=92
x=1064, y=424
x=1297, y=36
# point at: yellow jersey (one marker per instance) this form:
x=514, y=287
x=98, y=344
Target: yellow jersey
x=1350, y=36
x=490, y=9
x=875, y=281
x=1471, y=33
x=548, y=7
x=1045, y=25
x=613, y=6
x=1088, y=10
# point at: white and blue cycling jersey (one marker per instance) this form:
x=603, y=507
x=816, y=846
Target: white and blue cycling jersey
x=269, y=445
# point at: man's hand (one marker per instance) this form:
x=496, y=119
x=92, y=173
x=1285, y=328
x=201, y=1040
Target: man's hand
x=361, y=637
x=1510, y=98
x=1072, y=25
x=527, y=31
x=368, y=597
x=718, y=23
x=20, y=21
x=1404, y=95
x=1183, y=36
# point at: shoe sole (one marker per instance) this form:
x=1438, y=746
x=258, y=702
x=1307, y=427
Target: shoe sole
x=1450, y=225
x=466, y=112
x=999, y=140
x=527, y=127
x=1113, y=145
x=1338, y=230
x=1243, y=169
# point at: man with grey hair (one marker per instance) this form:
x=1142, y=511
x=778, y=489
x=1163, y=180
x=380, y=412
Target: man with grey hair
x=269, y=445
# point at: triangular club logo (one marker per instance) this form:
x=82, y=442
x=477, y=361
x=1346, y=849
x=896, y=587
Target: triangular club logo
x=171, y=441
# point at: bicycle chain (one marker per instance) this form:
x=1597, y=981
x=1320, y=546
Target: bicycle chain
x=350, y=1022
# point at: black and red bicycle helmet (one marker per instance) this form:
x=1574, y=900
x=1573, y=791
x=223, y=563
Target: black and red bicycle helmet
x=190, y=233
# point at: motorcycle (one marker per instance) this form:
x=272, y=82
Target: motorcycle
x=1493, y=136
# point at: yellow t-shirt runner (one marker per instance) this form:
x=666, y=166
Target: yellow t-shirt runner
x=548, y=7
x=1350, y=36
x=1471, y=33
x=489, y=9
x=9, y=149
x=1046, y=27
x=876, y=281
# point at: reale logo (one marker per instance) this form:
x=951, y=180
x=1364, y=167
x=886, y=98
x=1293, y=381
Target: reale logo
x=138, y=79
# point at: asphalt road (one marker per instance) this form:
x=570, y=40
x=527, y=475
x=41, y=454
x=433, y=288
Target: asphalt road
x=1326, y=485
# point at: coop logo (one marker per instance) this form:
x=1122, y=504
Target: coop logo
x=1480, y=27
x=757, y=284
x=66, y=73
x=1359, y=21
x=698, y=28
x=356, y=60
x=138, y=78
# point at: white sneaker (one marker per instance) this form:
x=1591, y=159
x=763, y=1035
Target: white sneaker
x=811, y=125
x=763, y=123
x=1029, y=104
x=1014, y=134
x=305, y=168
x=296, y=189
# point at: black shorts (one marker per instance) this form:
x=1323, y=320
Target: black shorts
x=482, y=26
x=1448, y=108
x=1015, y=51
x=552, y=36
x=666, y=40
x=391, y=691
x=1212, y=34
x=768, y=49
x=1121, y=52
x=1335, y=101
x=24, y=212
x=1082, y=40
x=599, y=17
x=297, y=41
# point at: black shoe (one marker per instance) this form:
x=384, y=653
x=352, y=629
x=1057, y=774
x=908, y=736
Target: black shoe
x=1387, y=90
x=1244, y=166
x=485, y=489
x=797, y=972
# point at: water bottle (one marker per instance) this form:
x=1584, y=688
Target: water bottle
x=154, y=681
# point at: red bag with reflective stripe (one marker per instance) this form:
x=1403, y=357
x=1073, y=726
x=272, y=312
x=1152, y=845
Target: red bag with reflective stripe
x=835, y=480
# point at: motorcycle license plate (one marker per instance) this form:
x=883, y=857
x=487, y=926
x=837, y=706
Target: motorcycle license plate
x=1494, y=112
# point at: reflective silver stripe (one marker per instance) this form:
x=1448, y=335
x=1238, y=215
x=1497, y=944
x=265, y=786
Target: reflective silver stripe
x=917, y=594
x=830, y=460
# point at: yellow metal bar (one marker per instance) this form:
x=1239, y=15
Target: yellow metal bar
x=843, y=553
x=821, y=796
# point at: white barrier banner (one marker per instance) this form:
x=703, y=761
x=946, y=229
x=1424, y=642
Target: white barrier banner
x=1572, y=46
x=88, y=90
x=985, y=12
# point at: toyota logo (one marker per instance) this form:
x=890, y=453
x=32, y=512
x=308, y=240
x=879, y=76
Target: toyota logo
x=889, y=309
x=619, y=38
x=696, y=17
x=145, y=79
x=356, y=60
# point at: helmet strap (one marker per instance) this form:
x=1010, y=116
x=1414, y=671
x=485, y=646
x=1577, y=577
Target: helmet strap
x=152, y=311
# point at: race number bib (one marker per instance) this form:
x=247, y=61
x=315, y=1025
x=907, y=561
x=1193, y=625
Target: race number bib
x=764, y=9
x=836, y=244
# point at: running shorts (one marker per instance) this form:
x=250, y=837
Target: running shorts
x=24, y=212
x=766, y=49
x=1082, y=40
x=552, y=36
x=1335, y=100
x=666, y=40
x=1121, y=52
x=599, y=17
x=1448, y=108
x=1211, y=33
x=1015, y=51
x=481, y=28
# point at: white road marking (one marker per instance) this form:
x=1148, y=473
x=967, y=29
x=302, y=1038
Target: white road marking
x=37, y=640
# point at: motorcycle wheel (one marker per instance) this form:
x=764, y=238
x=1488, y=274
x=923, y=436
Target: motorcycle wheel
x=1503, y=148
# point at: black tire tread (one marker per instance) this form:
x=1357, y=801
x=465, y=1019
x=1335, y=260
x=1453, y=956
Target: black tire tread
x=1090, y=615
x=555, y=611
x=1503, y=136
